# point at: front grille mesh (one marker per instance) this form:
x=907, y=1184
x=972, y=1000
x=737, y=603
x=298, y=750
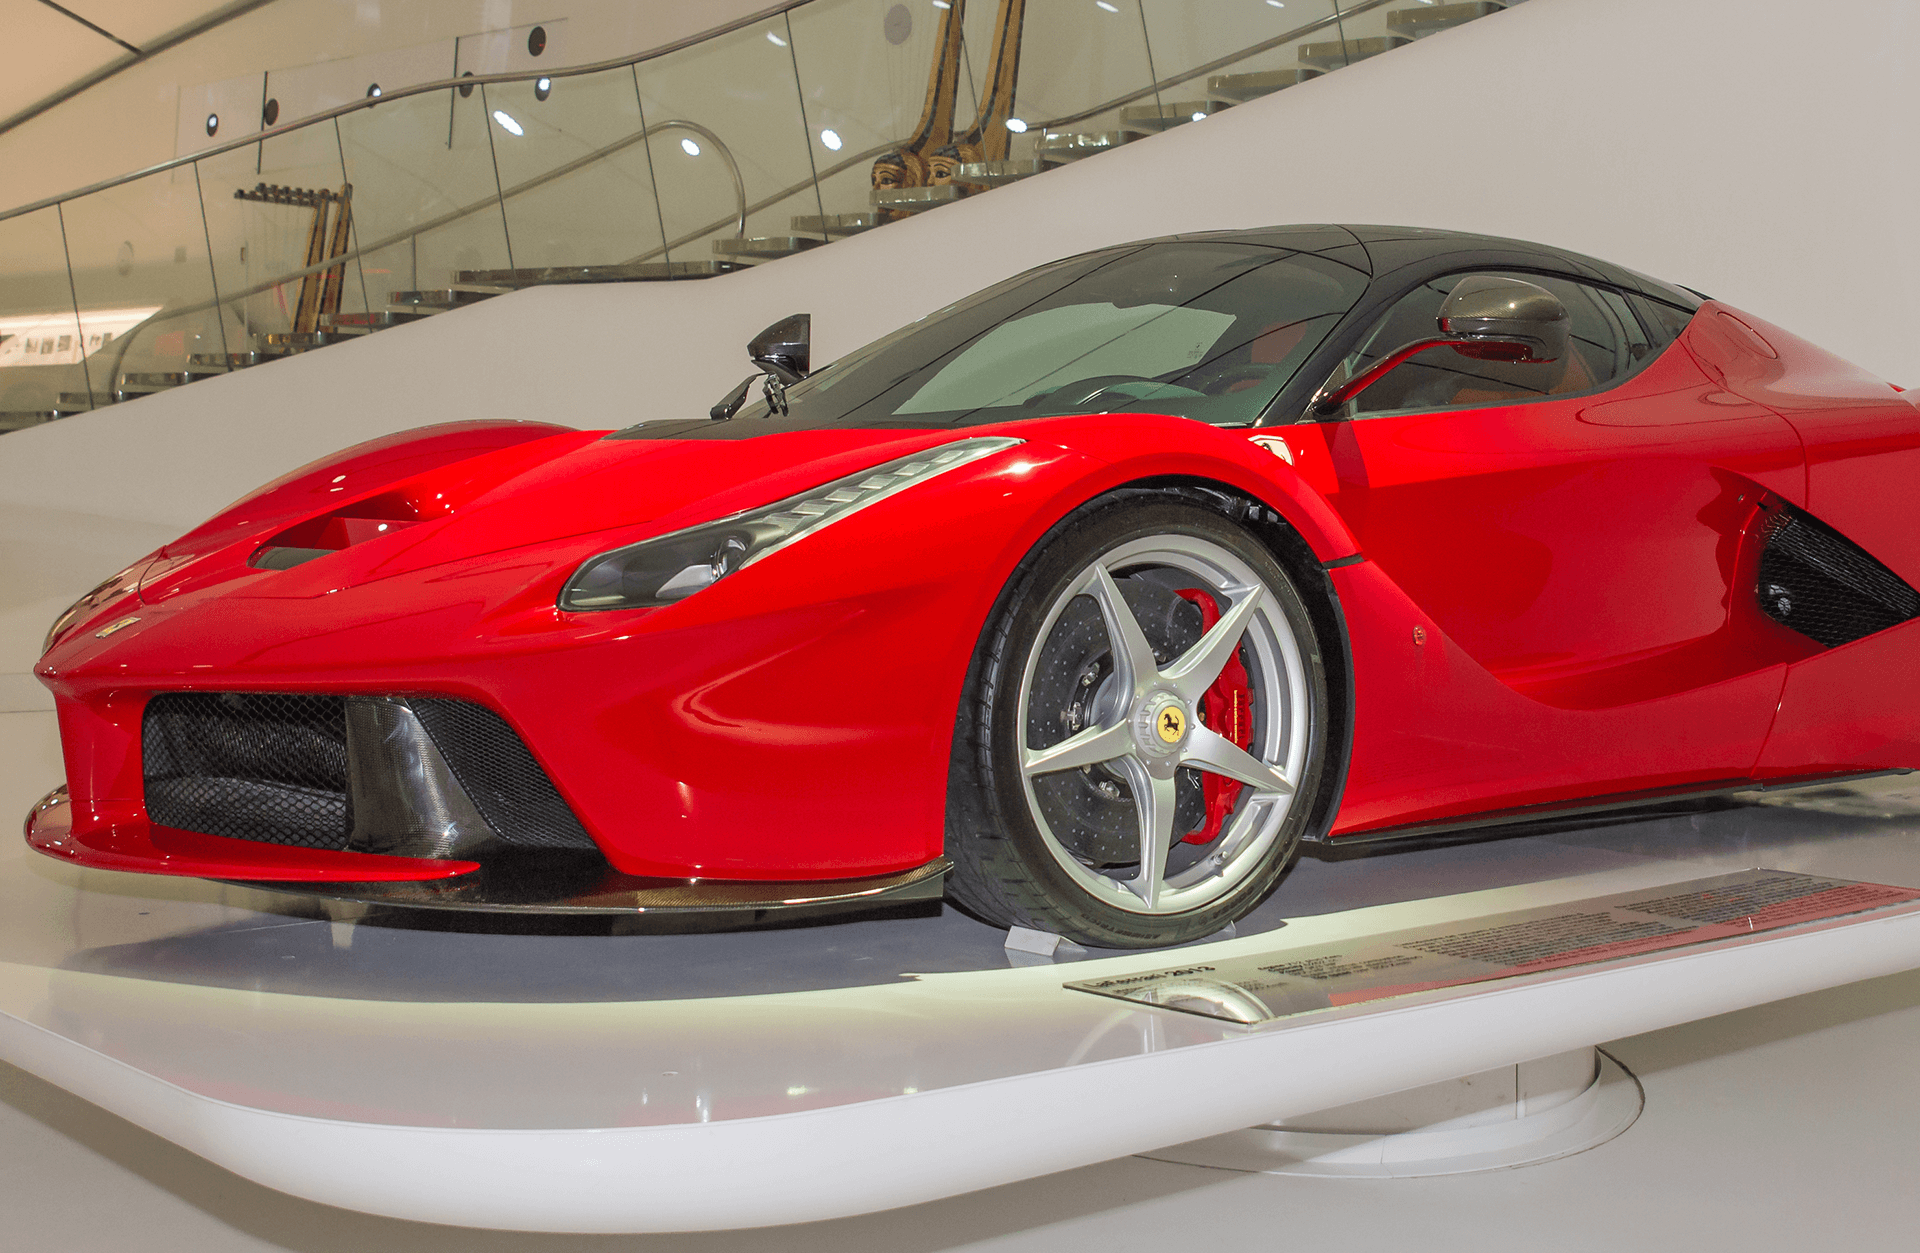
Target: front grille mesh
x=250, y=766
x=500, y=775
x=274, y=767
x=1826, y=587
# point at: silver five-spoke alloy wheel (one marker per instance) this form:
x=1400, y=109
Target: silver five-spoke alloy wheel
x=1146, y=722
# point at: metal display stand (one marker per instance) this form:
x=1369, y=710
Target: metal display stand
x=561, y=1080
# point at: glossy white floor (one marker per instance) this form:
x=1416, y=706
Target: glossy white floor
x=1773, y=1128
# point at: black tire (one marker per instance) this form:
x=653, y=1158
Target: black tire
x=1035, y=844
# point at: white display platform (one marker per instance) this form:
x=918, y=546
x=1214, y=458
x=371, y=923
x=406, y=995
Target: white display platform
x=591, y=1082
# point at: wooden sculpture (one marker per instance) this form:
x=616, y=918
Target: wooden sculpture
x=319, y=290
x=907, y=165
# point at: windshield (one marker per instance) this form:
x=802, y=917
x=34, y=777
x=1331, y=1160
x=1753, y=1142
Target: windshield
x=1198, y=329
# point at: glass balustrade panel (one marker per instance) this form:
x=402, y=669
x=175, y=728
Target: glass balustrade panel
x=739, y=89
x=868, y=74
x=1077, y=57
x=577, y=181
x=1269, y=45
x=263, y=237
x=142, y=280
x=42, y=350
x=426, y=205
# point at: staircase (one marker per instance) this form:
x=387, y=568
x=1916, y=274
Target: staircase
x=1150, y=113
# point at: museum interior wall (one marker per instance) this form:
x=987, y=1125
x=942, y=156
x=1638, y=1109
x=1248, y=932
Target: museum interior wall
x=1709, y=152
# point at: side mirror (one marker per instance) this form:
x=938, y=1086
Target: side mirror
x=783, y=356
x=1485, y=317
x=1504, y=319
x=782, y=349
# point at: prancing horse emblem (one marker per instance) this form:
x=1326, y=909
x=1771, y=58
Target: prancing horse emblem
x=1173, y=724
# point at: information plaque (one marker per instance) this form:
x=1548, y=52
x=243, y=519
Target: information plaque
x=1261, y=988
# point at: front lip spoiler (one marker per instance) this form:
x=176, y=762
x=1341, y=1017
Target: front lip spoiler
x=556, y=884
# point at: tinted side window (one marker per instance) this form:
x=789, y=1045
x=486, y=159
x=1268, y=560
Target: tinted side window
x=1664, y=322
x=1606, y=343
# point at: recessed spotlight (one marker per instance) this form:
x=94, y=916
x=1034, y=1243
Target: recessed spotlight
x=942, y=4
x=831, y=138
x=1278, y=5
x=373, y=91
x=1017, y=126
x=507, y=123
x=213, y=122
x=1102, y=4
x=689, y=147
x=536, y=41
x=775, y=40
x=466, y=89
x=271, y=113
x=542, y=88
x=1199, y=117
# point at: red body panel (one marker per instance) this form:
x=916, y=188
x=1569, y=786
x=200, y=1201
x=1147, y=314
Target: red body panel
x=1580, y=571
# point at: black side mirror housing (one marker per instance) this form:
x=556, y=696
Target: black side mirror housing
x=1504, y=319
x=1486, y=317
x=782, y=350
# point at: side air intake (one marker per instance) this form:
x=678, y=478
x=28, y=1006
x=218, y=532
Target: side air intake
x=1825, y=586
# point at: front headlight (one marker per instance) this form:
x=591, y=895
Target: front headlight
x=669, y=568
x=128, y=580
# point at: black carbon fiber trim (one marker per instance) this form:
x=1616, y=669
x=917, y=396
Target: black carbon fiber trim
x=255, y=766
x=1823, y=585
x=500, y=775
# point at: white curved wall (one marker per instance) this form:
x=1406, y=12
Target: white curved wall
x=1658, y=134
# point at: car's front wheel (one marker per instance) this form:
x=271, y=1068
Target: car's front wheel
x=1143, y=731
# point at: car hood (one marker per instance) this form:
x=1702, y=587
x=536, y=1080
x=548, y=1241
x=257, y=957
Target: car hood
x=546, y=490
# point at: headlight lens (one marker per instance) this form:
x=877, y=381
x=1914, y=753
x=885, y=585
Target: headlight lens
x=669, y=568
x=128, y=580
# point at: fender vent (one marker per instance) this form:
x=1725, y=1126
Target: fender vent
x=1825, y=586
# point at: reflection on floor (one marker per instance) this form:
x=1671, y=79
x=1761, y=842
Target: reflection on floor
x=1771, y=1128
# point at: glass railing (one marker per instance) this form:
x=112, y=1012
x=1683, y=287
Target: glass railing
x=783, y=132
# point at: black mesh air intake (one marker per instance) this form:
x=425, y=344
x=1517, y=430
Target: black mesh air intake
x=1825, y=586
x=499, y=775
x=253, y=766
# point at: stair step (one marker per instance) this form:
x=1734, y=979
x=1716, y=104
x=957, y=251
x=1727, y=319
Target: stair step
x=997, y=173
x=836, y=225
x=634, y=272
x=1414, y=23
x=444, y=297
x=21, y=419
x=231, y=360
x=914, y=199
x=1336, y=52
x=1059, y=149
x=1146, y=119
x=279, y=343
x=378, y=320
x=1239, y=88
x=154, y=380
x=763, y=248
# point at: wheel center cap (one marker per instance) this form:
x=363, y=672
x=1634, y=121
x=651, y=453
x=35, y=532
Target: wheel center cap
x=1162, y=723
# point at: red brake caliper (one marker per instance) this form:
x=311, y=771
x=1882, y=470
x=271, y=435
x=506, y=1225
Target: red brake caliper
x=1228, y=707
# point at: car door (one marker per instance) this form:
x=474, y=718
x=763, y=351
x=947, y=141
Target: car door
x=1568, y=538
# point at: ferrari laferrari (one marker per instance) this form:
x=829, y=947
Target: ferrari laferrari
x=1084, y=602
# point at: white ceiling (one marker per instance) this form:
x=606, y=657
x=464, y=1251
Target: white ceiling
x=48, y=46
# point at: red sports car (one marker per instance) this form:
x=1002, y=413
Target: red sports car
x=1085, y=600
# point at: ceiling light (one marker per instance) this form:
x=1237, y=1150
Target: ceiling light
x=689, y=147
x=831, y=138
x=1111, y=8
x=775, y=40
x=542, y=88
x=1017, y=126
x=507, y=124
x=1199, y=117
x=213, y=123
x=373, y=91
